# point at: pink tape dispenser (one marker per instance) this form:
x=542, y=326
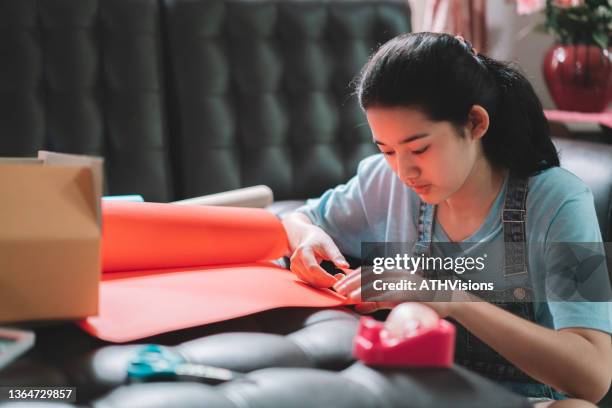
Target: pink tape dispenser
x=412, y=336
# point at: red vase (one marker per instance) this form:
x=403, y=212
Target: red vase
x=579, y=77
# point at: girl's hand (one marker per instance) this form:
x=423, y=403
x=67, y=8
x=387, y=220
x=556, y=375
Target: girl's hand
x=351, y=287
x=310, y=245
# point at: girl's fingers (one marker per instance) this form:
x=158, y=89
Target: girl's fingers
x=355, y=295
x=349, y=283
x=297, y=268
x=354, y=272
x=317, y=276
x=330, y=251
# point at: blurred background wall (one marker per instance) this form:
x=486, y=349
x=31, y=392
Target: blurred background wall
x=511, y=37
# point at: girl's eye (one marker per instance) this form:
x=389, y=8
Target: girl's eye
x=423, y=150
x=388, y=153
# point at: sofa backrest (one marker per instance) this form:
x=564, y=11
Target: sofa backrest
x=592, y=162
x=86, y=76
x=260, y=91
x=189, y=97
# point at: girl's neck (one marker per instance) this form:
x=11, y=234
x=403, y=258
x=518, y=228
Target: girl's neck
x=477, y=193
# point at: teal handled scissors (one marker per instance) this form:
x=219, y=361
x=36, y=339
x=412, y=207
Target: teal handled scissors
x=158, y=363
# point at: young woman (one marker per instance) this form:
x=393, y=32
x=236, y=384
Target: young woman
x=465, y=151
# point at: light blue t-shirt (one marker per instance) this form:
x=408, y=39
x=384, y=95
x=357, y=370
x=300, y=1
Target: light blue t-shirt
x=375, y=206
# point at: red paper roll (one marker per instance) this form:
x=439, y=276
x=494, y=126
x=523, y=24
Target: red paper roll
x=139, y=236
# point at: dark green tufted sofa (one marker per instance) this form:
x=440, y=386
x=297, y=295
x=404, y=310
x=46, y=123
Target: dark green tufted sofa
x=185, y=98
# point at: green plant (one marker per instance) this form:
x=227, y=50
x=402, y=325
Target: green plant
x=580, y=22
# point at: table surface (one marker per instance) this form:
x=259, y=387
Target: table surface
x=66, y=355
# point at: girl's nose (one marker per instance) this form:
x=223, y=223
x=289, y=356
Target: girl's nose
x=407, y=171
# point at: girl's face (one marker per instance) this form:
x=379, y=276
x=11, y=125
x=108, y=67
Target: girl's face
x=432, y=158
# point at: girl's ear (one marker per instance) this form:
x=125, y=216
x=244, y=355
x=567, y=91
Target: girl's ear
x=478, y=122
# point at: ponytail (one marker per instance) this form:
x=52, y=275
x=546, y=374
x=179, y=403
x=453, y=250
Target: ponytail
x=519, y=133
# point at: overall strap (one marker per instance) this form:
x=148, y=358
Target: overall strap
x=513, y=219
x=425, y=223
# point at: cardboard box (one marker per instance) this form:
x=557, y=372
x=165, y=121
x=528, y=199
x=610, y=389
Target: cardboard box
x=50, y=237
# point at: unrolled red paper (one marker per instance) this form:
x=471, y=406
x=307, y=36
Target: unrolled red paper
x=169, y=267
x=142, y=304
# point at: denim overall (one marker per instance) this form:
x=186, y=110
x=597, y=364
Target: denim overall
x=470, y=351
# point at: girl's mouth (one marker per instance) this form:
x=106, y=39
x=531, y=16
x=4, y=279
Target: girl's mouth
x=422, y=189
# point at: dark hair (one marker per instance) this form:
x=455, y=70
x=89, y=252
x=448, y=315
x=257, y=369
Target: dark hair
x=442, y=77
